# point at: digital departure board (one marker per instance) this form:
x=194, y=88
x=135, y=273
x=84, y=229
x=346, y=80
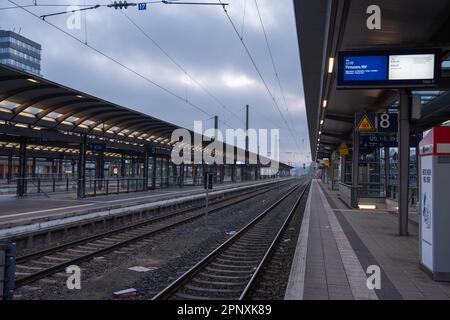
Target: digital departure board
x=384, y=69
x=365, y=68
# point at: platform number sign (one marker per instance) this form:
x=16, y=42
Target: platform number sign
x=142, y=6
x=386, y=122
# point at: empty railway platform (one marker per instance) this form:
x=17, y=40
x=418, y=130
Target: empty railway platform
x=340, y=247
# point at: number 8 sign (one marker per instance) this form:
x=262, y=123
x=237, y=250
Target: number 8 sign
x=387, y=122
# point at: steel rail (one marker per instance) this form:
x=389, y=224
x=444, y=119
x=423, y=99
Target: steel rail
x=188, y=275
x=57, y=267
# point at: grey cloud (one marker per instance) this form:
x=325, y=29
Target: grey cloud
x=201, y=39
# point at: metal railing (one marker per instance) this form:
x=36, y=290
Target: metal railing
x=43, y=185
x=106, y=186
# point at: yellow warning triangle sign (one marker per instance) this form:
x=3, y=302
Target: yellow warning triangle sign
x=343, y=149
x=365, y=124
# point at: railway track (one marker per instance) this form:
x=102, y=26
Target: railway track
x=44, y=263
x=231, y=270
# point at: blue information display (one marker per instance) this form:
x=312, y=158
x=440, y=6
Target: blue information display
x=360, y=68
x=407, y=68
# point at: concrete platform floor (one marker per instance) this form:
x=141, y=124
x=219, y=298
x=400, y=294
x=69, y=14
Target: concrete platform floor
x=337, y=245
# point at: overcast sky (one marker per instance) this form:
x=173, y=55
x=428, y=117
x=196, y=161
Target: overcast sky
x=201, y=39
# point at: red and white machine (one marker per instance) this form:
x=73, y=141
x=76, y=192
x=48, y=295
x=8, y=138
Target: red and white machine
x=434, y=174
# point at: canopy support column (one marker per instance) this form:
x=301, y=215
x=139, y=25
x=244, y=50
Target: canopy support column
x=21, y=181
x=81, y=187
x=355, y=169
x=404, y=161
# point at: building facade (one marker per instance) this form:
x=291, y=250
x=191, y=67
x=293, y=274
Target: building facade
x=21, y=53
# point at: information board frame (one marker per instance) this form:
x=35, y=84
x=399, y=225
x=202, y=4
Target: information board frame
x=341, y=83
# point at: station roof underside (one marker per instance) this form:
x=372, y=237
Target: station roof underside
x=325, y=27
x=52, y=114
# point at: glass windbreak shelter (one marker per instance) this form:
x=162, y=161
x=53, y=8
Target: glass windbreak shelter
x=379, y=174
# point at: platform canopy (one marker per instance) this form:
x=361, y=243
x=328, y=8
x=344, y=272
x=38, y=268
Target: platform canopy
x=44, y=111
x=36, y=102
x=325, y=27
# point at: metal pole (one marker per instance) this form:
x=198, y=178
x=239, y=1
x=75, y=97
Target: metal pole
x=21, y=187
x=247, y=107
x=332, y=170
x=33, y=167
x=355, y=169
x=216, y=128
x=146, y=165
x=81, y=189
x=154, y=173
x=10, y=166
x=206, y=183
x=386, y=171
x=405, y=105
x=60, y=167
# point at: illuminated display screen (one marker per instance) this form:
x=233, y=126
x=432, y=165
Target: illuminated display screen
x=359, y=68
x=411, y=67
x=382, y=69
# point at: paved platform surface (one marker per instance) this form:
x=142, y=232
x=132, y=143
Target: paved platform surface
x=337, y=245
x=21, y=210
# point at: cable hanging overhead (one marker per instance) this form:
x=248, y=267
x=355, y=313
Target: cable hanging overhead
x=168, y=91
x=259, y=72
x=183, y=69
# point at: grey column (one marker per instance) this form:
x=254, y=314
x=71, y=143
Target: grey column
x=21, y=182
x=343, y=169
x=154, y=173
x=332, y=170
x=404, y=161
x=10, y=167
x=386, y=170
x=73, y=168
x=60, y=168
x=123, y=170
x=146, y=166
x=33, y=167
x=167, y=172
x=194, y=173
x=133, y=167
x=355, y=169
x=81, y=185
x=100, y=169
x=181, y=175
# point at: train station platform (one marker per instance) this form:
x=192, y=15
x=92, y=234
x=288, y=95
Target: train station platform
x=337, y=245
x=24, y=214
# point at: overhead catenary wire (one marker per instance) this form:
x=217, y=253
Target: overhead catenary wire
x=168, y=91
x=105, y=5
x=272, y=60
x=163, y=51
x=247, y=50
x=183, y=69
